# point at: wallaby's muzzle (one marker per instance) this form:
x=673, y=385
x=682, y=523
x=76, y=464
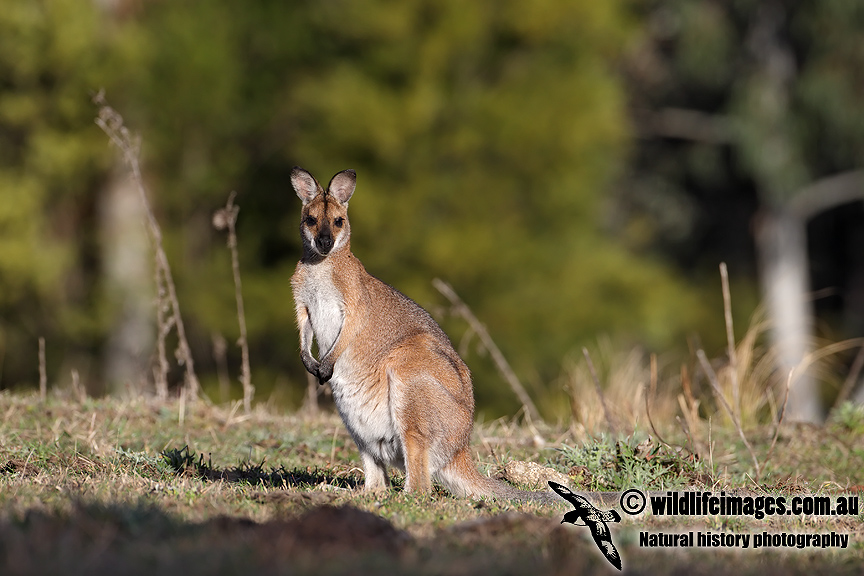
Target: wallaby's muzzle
x=324, y=241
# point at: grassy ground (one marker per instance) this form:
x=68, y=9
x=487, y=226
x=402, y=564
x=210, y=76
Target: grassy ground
x=139, y=487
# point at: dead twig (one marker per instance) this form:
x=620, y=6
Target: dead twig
x=460, y=308
x=730, y=339
x=650, y=393
x=692, y=412
x=310, y=403
x=779, y=419
x=78, y=390
x=222, y=219
x=43, y=374
x=165, y=323
x=220, y=348
x=712, y=378
x=111, y=122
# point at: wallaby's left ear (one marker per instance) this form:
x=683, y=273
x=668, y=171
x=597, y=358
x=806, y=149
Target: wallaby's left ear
x=342, y=185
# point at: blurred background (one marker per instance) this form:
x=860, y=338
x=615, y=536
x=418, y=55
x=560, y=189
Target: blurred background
x=576, y=170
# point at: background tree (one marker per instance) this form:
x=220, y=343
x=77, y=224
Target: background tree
x=493, y=148
x=761, y=95
x=467, y=170
x=51, y=165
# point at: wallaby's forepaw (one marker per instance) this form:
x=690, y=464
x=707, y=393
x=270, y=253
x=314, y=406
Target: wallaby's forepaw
x=325, y=372
x=312, y=366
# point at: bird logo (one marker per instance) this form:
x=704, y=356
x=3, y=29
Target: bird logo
x=585, y=514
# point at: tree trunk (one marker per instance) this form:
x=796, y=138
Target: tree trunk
x=128, y=286
x=782, y=246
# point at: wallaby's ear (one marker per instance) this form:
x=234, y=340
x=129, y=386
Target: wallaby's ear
x=342, y=185
x=304, y=184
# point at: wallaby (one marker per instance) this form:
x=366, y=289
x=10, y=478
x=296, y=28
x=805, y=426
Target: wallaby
x=403, y=392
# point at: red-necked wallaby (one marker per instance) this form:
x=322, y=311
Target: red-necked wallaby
x=403, y=392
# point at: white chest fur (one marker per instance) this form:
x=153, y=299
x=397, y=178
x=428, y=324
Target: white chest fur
x=325, y=304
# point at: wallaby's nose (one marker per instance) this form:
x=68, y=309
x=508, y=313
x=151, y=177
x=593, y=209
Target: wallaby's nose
x=324, y=241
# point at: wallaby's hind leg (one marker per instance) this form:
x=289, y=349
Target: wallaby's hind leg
x=432, y=412
x=417, y=477
x=375, y=473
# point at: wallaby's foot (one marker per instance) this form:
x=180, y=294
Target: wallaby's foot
x=376, y=479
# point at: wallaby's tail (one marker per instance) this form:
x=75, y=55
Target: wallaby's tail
x=461, y=478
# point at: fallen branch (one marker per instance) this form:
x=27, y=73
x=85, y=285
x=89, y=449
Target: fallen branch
x=460, y=308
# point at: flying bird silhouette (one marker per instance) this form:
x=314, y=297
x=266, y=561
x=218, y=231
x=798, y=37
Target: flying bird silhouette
x=594, y=519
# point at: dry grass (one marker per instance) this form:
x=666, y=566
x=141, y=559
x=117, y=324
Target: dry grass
x=625, y=378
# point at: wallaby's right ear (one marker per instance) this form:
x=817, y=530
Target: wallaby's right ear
x=304, y=184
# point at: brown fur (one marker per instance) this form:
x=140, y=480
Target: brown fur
x=403, y=392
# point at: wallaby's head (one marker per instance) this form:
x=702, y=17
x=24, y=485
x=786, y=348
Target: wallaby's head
x=324, y=220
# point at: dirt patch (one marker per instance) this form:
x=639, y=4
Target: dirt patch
x=18, y=466
x=102, y=541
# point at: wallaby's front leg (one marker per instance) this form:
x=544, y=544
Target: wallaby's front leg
x=309, y=361
x=325, y=366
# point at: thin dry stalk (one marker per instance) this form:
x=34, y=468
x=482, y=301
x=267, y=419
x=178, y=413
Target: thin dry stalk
x=690, y=409
x=310, y=404
x=222, y=219
x=712, y=378
x=220, y=348
x=730, y=339
x=687, y=434
x=333, y=447
x=181, y=409
x=779, y=419
x=79, y=391
x=692, y=403
x=460, y=308
x=111, y=122
x=43, y=374
x=599, y=390
x=652, y=391
x=165, y=324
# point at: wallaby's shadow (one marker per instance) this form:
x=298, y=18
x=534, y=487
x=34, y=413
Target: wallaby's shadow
x=188, y=463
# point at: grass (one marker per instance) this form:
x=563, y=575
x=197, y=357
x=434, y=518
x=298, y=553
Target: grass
x=138, y=485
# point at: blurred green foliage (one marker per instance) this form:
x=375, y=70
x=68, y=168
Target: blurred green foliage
x=51, y=55
x=486, y=136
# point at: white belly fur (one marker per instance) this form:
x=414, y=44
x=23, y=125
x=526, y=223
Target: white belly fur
x=368, y=418
x=372, y=426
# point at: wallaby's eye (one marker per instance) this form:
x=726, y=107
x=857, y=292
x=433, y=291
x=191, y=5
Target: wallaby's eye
x=310, y=221
x=339, y=221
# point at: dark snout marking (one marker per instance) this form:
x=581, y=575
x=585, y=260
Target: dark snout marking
x=324, y=239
